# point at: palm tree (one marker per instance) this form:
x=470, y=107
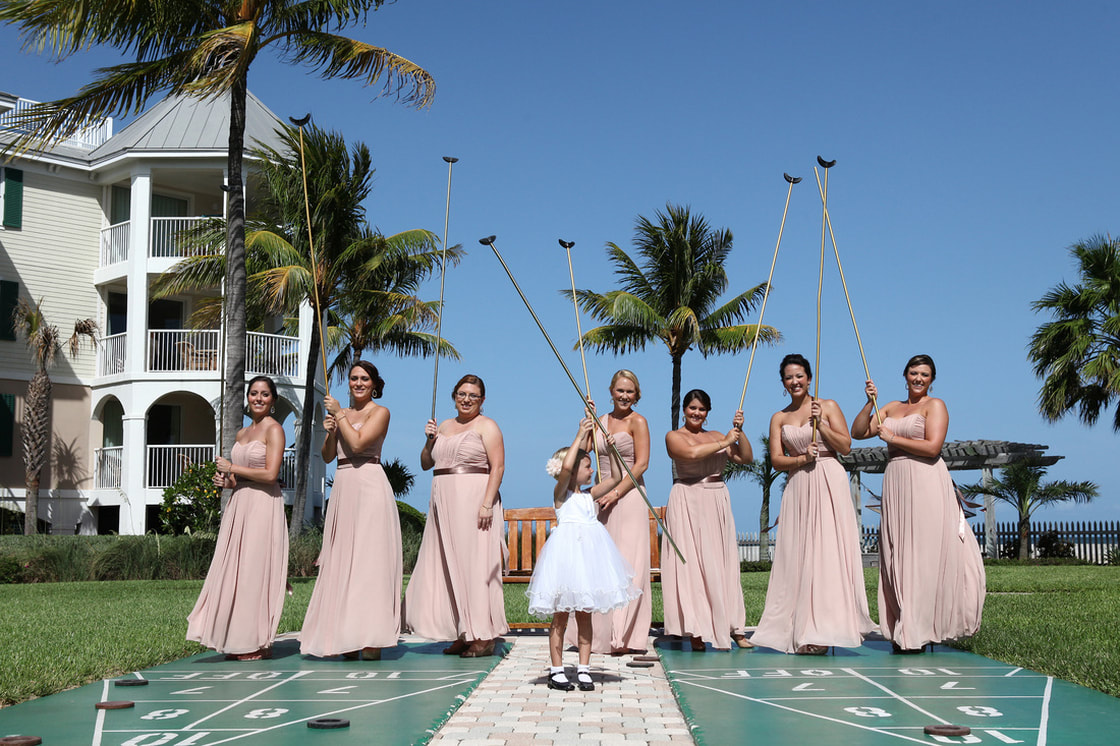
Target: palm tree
x=762, y=471
x=45, y=342
x=204, y=48
x=1078, y=353
x=352, y=260
x=672, y=295
x=1021, y=487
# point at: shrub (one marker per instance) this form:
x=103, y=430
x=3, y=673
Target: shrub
x=302, y=553
x=1112, y=556
x=193, y=505
x=754, y=566
x=60, y=562
x=10, y=569
x=1052, y=546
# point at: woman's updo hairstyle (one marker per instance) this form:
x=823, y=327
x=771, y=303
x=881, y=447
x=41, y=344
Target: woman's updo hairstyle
x=374, y=377
x=469, y=378
x=921, y=360
x=795, y=359
x=631, y=376
x=699, y=394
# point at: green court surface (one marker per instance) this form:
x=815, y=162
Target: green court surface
x=866, y=695
x=204, y=700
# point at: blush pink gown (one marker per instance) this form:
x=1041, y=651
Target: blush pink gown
x=357, y=598
x=239, y=608
x=816, y=594
x=456, y=589
x=931, y=575
x=703, y=597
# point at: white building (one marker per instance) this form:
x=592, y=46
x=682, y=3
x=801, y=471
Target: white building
x=87, y=226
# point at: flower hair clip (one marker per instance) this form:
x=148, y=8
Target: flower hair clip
x=552, y=466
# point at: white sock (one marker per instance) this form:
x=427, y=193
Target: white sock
x=583, y=674
x=556, y=673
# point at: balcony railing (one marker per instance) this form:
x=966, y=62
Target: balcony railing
x=288, y=470
x=110, y=355
x=107, y=470
x=271, y=355
x=165, y=240
x=167, y=463
x=87, y=138
x=183, y=349
x=114, y=243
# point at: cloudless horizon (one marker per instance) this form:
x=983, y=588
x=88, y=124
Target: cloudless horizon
x=974, y=145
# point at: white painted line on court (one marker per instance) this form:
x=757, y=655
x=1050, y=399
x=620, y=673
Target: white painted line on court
x=1045, y=711
x=809, y=714
x=231, y=705
x=896, y=695
x=99, y=723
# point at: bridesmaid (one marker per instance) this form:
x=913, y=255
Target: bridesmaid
x=931, y=575
x=703, y=596
x=239, y=608
x=816, y=597
x=624, y=513
x=456, y=589
x=355, y=609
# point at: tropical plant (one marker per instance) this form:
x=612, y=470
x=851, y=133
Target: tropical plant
x=763, y=473
x=44, y=341
x=192, y=505
x=203, y=48
x=1078, y=353
x=1020, y=486
x=669, y=293
x=354, y=265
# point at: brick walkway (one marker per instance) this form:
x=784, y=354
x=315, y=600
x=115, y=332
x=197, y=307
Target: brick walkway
x=512, y=706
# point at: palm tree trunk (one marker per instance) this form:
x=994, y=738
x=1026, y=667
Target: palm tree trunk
x=307, y=422
x=675, y=403
x=36, y=440
x=1024, y=535
x=234, y=374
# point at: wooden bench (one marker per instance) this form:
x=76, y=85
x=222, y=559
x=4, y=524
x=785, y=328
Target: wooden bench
x=527, y=529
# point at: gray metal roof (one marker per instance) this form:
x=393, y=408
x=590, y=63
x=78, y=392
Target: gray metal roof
x=185, y=124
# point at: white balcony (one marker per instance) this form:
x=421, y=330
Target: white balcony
x=114, y=243
x=110, y=355
x=165, y=464
x=107, y=469
x=165, y=242
x=272, y=355
x=87, y=138
x=183, y=349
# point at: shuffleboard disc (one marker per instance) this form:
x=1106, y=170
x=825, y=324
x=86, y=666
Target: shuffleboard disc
x=21, y=741
x=947, y=729
x=639, y=664
x=328, y=723
x=115, y=704
x=652, y=658
x=130, y=682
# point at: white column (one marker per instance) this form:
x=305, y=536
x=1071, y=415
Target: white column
x=306, y=320
x=991, y=546
x=136, y=343
x=133, y=470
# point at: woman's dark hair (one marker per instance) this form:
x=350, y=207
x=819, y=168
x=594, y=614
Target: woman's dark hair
x=921, y=360
x=699, y=394
x=469, y=378
x=374, y=377
x=266, y=379
x=794, y=359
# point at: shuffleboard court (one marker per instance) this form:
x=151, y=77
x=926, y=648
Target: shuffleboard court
x=868, y=696
x=206, y=700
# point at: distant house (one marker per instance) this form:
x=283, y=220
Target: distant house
x=87, y=226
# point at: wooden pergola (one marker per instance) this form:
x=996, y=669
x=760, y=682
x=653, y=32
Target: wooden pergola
x=958, y=455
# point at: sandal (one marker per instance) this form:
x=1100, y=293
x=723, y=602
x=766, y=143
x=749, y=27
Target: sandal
x=456, y=648
x=742, y=641
x=478, y=649
x=812, y=650
x=698, y=645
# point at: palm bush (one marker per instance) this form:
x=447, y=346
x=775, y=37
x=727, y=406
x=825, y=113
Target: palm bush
x=192, y=505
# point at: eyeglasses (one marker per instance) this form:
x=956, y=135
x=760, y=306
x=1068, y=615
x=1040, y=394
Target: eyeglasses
x=467, y=396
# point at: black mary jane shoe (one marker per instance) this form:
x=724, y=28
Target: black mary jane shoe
x=563, y=686
x=584, y=682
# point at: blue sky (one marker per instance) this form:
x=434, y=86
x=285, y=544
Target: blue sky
x=975, y=142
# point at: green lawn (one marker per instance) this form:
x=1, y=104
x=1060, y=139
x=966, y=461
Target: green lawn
x=1063, y=621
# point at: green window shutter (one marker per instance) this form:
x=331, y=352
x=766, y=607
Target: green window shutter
x=13, y=198
x=7, y=424
x=9, y=297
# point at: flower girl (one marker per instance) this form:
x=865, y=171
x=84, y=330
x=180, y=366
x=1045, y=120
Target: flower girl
x=579, y=569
